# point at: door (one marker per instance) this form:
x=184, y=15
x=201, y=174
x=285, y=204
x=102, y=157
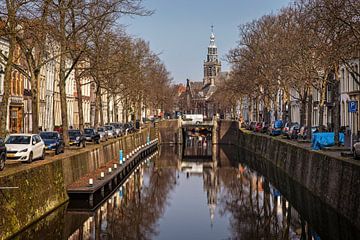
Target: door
x=39, y=145
x=35, y=147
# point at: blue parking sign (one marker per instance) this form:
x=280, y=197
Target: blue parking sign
x=353, y=106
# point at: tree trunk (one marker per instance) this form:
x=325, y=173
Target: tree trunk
x=336, y=112
x=309, y=116
x=302, y=112
x=321, y=116
x=289, y=117
x=4, y=109
x=62, y=77
x=64, y=115
x=108, y=119
x=115, y=116
x=35, y=101
x=79, y=102
x=126, y=111
x=101, y=109
x=97, y=106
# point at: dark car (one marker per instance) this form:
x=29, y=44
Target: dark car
x=53, y=142
x=2, y=154
x=265, y=127
x=76, y=138
x=294, y=131
x=252, y=126
x=91, y=135
x=287, y=127
x=129, y=128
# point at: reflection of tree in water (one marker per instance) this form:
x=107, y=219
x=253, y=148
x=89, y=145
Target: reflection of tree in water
x=141, y=207
x=255, y=213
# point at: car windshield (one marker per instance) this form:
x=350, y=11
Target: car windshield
x=108, y=127
x=88, y=131
x=101, y=130
x=18, y=140
x=74, y=133
x=49, y=135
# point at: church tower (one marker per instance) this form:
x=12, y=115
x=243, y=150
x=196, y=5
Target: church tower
x=212, y=65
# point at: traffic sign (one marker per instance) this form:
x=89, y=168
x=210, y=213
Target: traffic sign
x=353, y=106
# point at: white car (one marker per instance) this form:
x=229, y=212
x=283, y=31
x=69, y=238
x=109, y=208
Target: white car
x=24, y=147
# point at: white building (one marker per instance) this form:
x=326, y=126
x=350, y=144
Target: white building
x=349, y=91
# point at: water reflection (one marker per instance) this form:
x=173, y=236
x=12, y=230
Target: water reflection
x=225, y=194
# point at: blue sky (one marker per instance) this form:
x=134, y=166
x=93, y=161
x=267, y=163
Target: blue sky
x=180, y=30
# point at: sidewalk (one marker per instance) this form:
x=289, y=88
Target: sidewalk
x=307, y=145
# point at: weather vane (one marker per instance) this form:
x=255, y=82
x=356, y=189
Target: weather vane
x=212, y=28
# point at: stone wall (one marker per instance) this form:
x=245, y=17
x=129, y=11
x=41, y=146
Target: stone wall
x=169, y=131
x=227, y=131
x=336, y=181
x=42, y=187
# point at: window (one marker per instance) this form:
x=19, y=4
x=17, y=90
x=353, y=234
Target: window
x=37, y=138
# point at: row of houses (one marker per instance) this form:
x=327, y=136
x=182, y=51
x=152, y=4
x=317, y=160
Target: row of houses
x=347, y=87
x=19, y=106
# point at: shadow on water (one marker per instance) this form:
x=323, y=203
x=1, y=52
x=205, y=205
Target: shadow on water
x=257, y=201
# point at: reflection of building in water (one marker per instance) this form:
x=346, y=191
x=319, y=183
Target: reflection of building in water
x=212, y=188
x=198, y=159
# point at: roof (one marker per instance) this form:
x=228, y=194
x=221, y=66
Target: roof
x=23, y=134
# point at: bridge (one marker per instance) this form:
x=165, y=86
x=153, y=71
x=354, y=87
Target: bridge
x=173, y=131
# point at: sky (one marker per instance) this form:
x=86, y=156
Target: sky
x=179, y=30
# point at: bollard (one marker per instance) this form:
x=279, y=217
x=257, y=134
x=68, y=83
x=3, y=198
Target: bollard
x=110, y=170
x=115, y=165
x=102, y=175
x=121, y=156
x=91, y=182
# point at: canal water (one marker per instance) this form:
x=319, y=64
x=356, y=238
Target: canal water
x=199, y=191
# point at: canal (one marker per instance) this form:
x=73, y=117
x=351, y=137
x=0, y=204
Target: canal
x=199, y=191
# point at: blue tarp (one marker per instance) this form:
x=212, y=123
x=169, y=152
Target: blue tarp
x=325, y=139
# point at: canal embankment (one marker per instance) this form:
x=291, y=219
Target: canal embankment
x=41, y=187
x=333, y=180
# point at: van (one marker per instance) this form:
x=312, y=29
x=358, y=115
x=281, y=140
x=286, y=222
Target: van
x=194, y=118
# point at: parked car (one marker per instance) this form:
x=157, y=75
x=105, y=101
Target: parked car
x=53, y=142
x=24, y=147
x=287, y=127
x=252, y=126
x=91, y=135
x=294, y=131
x=304, y=131
x=76, y=138
x=2, y=154
x=258, y=127
x=111, y=131
x=265, y=127
x=129, y=128
x=118, y=128
x=275, y=128
x=356, y=150
x=103, y=133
